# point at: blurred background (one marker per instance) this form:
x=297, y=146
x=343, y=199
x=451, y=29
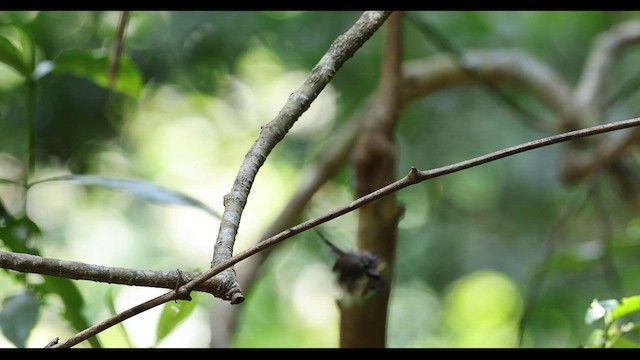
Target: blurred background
x=195, y=87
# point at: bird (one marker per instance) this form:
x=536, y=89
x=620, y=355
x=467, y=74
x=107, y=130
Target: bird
x=360, y=272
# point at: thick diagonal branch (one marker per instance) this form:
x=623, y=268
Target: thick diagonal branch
x=273, y=132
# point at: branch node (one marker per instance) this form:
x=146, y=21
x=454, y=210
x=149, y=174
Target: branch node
x=180, y=292
x=414, y=174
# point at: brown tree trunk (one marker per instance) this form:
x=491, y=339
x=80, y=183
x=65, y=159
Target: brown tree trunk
x=364, y=320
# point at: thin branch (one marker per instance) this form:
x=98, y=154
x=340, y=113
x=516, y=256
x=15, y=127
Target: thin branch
x=420, y=78
x=343, y=48
x=131, y=312
x=413, y=177
x=27, y=263
x=117, y=48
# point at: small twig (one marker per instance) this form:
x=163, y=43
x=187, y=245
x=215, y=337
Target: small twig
x=94, y=330
x=117, y=48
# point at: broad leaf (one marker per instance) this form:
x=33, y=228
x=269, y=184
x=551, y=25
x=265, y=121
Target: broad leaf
x=13, y=57
x=625, y=343
x=140, y=188
x=627, y=306
x=173, y=313
x=18, y=317
x=94, y=66
x=16, y=232
x=112, y=310
x=73, y=302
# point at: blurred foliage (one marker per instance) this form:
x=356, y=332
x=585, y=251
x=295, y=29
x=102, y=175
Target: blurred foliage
x=193, y=89
x=614, y=335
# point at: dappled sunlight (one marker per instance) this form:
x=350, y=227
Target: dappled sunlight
x=482, y=309
x=146, y=118
x=415, y=316
x=271, y=83
x=313, y=296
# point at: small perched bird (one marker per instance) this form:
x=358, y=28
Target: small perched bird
x=360, y=272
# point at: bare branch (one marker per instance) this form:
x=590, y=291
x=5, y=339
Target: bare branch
x=592, y=96
x=592, y=92
x=320, y=170
x=415, y=176
x=425, y=76
x=94, y=330
x=114, y=275
x=271, y=133
x=117, y=48
x=420, y=78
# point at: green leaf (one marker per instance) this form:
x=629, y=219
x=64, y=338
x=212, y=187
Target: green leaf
x=596, y=339
x=18, y=317
x=140, y=188
x=113, y=312
x=625, y=343
x=627, y=306
x=94, y=66
x=173, y=313
x=16, y=232
x=28, y=49
x=12, y=56
x=72, y=300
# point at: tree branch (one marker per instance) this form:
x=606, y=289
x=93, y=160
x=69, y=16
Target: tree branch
x=340, y=51
x=425, y=76
x=415, y=176
x=592, y=92
x=117, y=48
x=420, y=78
x=321, y=169
x=592, y=96
x=131, y=312
x=114, y=275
